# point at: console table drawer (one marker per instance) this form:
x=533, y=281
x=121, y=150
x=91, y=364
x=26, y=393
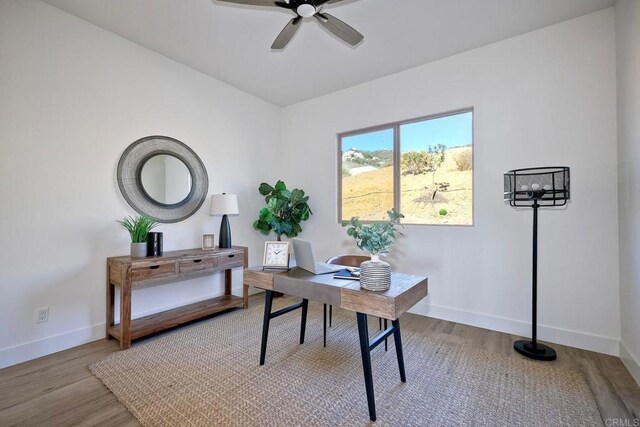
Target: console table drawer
x=201, y=264
x=154, y=271
x=230, y=260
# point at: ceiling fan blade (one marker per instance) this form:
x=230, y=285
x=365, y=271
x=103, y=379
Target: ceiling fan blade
x=287, y=33
x=339, y=28
x=252, y=2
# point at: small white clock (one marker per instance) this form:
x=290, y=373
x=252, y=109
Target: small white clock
x=276, y=255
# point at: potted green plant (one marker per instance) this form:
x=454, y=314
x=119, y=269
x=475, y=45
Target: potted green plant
x=284, y=212
x=376, y=238
x=138, y=229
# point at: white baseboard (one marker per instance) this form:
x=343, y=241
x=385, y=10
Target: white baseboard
x=31, y=350
x=42, y=347
x=583, y=340
x=630, y=361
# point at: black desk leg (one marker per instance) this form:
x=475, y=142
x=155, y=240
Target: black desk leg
x=268, y=302
x=303, y=324
x=324, y=318
x=385, y=340
x=398, y=341
x=363, y=331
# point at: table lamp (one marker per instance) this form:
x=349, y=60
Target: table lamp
x=224, y=204
x=536, y=188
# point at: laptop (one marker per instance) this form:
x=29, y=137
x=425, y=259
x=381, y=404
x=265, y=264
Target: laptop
x=305, y=260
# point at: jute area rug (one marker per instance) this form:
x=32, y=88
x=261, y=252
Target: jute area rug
x=208, y=375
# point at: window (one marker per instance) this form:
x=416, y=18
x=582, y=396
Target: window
x=422, y=167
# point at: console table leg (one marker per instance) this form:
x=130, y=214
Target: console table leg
x=268, y=302
x=227, y=282
x=363, y=331
x=303, y=324
x=398, y=342
x=110, y=306
x=125, y=315
x=245, y=296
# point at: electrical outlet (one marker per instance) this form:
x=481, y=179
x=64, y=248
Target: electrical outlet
x=42, y=315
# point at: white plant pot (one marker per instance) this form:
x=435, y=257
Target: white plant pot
x=139, y=250
x=375, y=275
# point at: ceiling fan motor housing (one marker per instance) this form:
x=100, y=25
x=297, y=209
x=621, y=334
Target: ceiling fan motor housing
x=306, y=10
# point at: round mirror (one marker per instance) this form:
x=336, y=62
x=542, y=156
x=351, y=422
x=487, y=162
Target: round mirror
x=162, y=178
x=166, y=179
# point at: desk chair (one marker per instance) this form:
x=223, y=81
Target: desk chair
x=348, y=261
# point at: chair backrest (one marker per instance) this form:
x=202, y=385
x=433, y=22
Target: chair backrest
x=349, y=260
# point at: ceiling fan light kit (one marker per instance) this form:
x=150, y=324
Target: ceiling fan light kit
x=306, y=9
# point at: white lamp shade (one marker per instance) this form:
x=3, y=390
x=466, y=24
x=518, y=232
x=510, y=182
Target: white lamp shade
x=224, y=204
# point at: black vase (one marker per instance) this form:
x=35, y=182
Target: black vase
x=154, y=244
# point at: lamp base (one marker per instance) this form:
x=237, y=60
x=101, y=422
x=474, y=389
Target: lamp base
x=539, y=352
x=224, y=240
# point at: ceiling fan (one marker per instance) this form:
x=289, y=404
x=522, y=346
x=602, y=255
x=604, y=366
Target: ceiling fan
x=306, y=9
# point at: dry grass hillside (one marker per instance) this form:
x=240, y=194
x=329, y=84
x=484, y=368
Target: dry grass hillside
x=370, y=194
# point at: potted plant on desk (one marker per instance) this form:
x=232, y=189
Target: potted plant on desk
x=377, y=238
x=138, y=229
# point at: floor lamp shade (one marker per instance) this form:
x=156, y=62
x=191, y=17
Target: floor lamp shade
x=536, y=188
x=548, y=186
x=224, y=204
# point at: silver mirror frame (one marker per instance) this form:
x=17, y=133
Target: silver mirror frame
x=130, y=183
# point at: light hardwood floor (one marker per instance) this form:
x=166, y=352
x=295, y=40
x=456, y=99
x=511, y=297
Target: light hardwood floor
x=59, y=389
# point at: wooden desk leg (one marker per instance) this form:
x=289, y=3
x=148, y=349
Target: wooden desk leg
x=245, y=296
x=363, y=331
x=125, y=315
x=268, y=302
x=398, y=342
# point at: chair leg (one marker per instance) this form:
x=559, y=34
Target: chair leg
x=379, y=323
x=324, y=329
x=330, y=314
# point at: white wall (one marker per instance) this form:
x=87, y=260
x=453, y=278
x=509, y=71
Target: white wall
x=544, y=98
x=72, y=98
x=627, y=15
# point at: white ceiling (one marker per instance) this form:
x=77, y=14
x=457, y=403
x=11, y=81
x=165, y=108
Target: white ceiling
x=232, y=43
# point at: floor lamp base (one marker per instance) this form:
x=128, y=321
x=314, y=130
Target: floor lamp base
x=539, y=352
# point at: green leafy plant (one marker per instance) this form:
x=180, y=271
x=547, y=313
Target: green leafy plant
x=377, y=237
x=284, y=212
x=138, y=227
x=443, y=212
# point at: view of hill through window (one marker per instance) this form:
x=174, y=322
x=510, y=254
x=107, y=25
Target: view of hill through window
x=435, y=175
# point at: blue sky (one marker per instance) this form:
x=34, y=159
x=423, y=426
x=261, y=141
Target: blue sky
x=451, y=131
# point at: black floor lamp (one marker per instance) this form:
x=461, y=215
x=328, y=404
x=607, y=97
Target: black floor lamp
x=536, y=188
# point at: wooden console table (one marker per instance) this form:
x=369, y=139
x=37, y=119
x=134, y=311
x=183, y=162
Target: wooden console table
x=128, y=273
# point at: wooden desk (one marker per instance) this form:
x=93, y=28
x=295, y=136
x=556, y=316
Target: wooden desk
x=405, y=291
x=128, y=273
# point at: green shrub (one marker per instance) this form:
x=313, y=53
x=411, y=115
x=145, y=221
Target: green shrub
x=443, y=212
x=463, y=160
